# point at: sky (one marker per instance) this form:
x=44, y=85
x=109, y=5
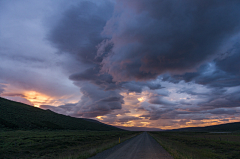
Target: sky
x=163, y=64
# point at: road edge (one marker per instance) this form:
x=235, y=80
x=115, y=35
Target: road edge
x=163, y=146
x=112, y=145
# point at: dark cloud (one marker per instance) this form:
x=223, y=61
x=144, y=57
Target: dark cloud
x=222, y=111
x=160, y=100
x=191, y=91
x=68, y=107
x=167, y=36
x=156, y=112
x=154, y=86
x=214, y=98
x=78, y=32
x=126, y=46
x=96, y=101
x=229, y=62
x=223, y=71
x=133, y=87
x=221, y=103
x=138, y=86
x=93, y=75
x=105, y=81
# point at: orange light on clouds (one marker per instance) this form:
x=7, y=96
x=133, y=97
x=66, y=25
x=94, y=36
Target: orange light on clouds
x=37, y=98
x=128, y=124
x=141, y=99
x=129, y=109
x=145, y=124
x=100, y=117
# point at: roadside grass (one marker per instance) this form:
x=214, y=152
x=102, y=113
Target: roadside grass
x=97, y=149
x=193, y=145
x=58, y=144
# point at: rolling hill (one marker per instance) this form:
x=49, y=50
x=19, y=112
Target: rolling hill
x=229, y=127
x=15, y=115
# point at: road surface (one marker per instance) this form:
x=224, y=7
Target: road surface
x=142, y=146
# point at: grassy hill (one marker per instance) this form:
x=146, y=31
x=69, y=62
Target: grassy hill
x=15, y=115
x=230, y=127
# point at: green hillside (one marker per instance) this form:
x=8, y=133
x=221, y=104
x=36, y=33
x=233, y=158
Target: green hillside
x=15, y=115
x=230, y=127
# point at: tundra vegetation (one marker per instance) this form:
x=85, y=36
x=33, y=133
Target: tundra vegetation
x=58, y=144
x=200, y=145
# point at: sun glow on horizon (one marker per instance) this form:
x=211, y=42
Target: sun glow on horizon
x=100, y=117
x=37, y=98
x=141, y=99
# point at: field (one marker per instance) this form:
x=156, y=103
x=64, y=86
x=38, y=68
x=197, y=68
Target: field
x=202, y=145
x=58, y=144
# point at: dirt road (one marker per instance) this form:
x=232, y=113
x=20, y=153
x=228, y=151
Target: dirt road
x=142, y=146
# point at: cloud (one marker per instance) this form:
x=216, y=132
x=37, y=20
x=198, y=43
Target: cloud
x=222, y=111
x=13, y=95
x=28, y=62
x=191, y=101
x=151, y=62
x=66, y=109
x=128, y=118
x=1, y=88
x=78, y=31
x=92, y=75
x=97, y=102
x=156, y=112
x=106, y=82
x=190, y=91
x=138, y=86
x=120, y=48
x=150, y=38
x=223, y=71
x=160, y=100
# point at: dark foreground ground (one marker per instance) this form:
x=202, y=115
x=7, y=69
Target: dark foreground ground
x=57, y=144
x=200, y=145
x=142, y=146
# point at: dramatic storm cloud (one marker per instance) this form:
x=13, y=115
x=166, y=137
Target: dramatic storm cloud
x=141, y=63
x=154, y=37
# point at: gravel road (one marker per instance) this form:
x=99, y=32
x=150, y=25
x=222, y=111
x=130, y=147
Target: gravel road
x=142, y=146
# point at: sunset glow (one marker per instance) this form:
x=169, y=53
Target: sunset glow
x=141, y=99
x=99, y=117
x=37, y=98
x=124, y=63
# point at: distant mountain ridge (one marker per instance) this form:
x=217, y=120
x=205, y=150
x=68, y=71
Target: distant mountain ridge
x=15, y=115
x=139, y=128
x=229, y=127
